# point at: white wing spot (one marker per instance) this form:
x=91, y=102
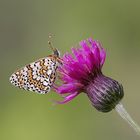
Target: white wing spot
x=45, y=83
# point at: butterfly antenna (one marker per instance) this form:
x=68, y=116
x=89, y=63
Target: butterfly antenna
x=50, y=43
x=55, y=51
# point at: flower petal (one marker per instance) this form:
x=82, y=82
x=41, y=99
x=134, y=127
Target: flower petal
x=68, y=98
x=69, y=88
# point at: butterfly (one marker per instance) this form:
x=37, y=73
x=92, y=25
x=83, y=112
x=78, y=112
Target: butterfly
x=38, y=76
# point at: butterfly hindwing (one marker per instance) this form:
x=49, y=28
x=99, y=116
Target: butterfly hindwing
x=37, y=76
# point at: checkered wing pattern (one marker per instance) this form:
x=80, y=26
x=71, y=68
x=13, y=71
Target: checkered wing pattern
x=38, y=76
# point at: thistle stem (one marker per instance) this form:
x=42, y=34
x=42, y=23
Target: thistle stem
x=123, y=113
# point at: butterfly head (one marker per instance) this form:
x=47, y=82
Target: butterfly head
x=56, y=52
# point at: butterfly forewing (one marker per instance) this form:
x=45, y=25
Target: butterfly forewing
x=38, y=76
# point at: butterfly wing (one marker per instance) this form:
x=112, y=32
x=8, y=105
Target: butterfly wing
x=37, y=76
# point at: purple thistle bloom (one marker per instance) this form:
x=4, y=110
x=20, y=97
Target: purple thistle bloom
x=82, y=72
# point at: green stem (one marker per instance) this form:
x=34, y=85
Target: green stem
x=123, y=113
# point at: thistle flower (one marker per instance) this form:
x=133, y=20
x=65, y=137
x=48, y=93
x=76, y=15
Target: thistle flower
x=82, y=72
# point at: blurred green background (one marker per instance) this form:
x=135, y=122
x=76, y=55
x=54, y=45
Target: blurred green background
x=24, y=29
